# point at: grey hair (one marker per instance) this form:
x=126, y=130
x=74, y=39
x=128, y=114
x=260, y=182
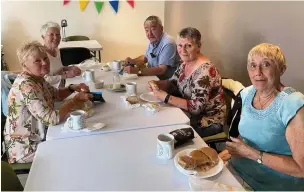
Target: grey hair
x=50, y=24
x=27, y=49
x=155, y=19
x=191, y=33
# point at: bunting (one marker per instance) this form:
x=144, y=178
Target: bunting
x=114, y=5
x=131, y=3
x=65, y=2
x=98, y=5
x=83, y=4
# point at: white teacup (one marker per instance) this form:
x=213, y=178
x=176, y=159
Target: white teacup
x=76, y=120
x=131, y=89
x=165, y=146
x=99, y=84
x=89, y=75
x=116, y=65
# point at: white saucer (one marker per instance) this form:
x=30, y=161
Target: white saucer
x=149, y=97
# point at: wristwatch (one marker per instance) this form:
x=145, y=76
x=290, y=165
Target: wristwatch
x=70, y=88
x=139, y=72
x=259, y=160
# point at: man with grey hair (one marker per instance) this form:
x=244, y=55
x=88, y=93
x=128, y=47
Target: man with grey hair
x=161, y=54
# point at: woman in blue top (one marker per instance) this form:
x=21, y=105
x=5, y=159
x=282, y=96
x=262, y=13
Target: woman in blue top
x=269, y=153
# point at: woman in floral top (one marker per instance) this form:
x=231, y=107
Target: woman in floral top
x=195, y=86
x=31, y=104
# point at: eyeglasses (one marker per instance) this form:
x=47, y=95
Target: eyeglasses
x=254, y=66
x=152, y=55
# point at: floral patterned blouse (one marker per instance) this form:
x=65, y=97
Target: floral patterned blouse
x=203, y=92
x=31, y=108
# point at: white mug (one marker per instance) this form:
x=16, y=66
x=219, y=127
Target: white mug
x=131, y=89
x=89, y=75
x=116, y=65
x=165, y=146
x=76, y=120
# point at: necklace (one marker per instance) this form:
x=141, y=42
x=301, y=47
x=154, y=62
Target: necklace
x=268, y=97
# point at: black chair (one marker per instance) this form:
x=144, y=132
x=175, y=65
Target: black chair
x=74, y=55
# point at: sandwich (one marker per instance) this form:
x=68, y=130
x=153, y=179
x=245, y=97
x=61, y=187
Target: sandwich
x=153, y=85
x=132, y=100
x=199, y=160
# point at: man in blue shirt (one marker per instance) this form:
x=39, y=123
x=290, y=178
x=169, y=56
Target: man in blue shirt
x=161, y=54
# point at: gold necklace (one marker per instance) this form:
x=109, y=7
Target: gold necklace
x=270, y=96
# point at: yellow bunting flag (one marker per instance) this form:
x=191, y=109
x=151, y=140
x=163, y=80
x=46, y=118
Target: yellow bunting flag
x=83, y=4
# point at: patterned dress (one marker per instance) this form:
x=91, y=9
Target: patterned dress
x=31, y=108
x=203, y=92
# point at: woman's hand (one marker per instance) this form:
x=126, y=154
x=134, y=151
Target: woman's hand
x=160, y=94
x=82, y=96
x=75, y=70
x=238, y=148
x=80, y=88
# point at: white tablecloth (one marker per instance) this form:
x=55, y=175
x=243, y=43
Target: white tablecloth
x=116, y=116
x=117, y=161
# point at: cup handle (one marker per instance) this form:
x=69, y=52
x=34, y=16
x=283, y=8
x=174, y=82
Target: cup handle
x=70, y=125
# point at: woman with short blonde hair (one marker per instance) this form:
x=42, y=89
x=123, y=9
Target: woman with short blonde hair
x=269, y=155
x=31, y=104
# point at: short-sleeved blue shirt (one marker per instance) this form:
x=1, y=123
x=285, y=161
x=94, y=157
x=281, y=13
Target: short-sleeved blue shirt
x=265, y=130
x=164, y=52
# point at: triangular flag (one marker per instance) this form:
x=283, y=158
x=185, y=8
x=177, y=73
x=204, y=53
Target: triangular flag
x=114, y=5
x=98, y=6
x=65, y=2
x=131, y=2
x=83, y=4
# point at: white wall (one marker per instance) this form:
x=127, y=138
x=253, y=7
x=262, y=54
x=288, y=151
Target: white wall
x=120, y=34
x=231, y=29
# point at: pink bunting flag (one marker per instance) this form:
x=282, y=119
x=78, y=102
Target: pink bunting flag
x=66, y=2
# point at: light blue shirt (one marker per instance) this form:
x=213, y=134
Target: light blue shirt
x=163, y=52
x=265, y=130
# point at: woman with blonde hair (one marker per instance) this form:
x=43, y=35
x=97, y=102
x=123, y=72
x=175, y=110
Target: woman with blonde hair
x=268, y=154
x=31, y=104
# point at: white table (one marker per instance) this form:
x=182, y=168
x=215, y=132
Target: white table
x=92, y=45
x=115, y=114
x=117, y=161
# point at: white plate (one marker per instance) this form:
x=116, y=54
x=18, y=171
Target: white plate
x=213, y=171
x=149, y=97
x=129, y=76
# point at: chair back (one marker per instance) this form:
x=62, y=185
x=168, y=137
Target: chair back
x=77, y=38
x=74, y=55
x=9, y=179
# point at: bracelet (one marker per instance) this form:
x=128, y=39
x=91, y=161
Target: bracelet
x=167, y=98
x=70, y=89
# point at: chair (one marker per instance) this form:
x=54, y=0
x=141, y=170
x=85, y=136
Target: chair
x=9, y=179
x=77, y=38
x=74, y=55
x=232, y=121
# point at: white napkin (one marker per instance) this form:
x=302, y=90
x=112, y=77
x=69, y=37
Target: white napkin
x=129, y=105
x=89, y=127
x=127, y=76
x=151, y=107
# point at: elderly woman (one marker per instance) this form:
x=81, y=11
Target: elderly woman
x=269, y=155
x=31, y=104
x=50, y=33
x=195, y=86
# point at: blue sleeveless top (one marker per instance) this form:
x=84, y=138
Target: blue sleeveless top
x=265, y=130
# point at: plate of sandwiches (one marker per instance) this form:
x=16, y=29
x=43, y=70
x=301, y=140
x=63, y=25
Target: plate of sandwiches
x=199, y=163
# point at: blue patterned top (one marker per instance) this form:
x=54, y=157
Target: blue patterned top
x=265, y=130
